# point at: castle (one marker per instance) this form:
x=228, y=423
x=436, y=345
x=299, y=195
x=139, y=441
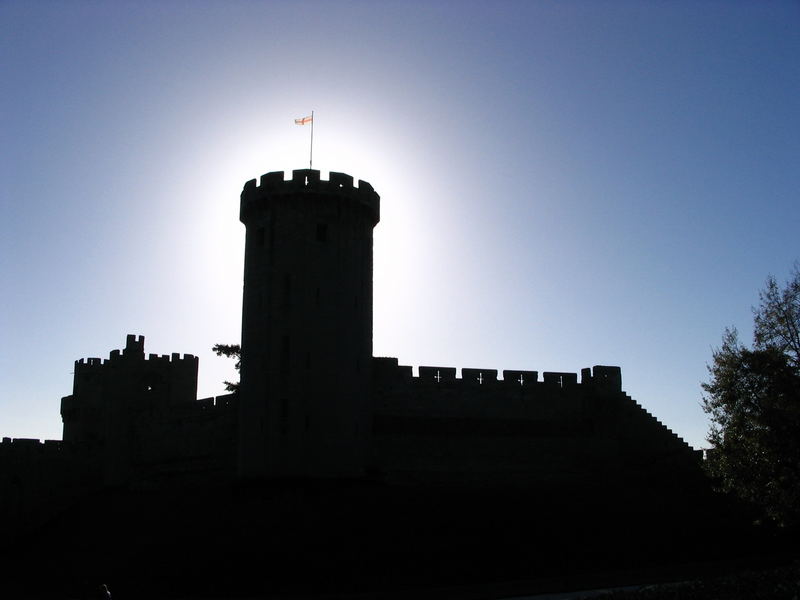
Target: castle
x=314, y=402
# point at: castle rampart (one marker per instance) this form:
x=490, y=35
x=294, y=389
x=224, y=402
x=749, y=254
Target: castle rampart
x=437, y=426
x=307, y=181
x=605, y=377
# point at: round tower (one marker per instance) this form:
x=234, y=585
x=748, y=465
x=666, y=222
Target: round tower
x=306, y=325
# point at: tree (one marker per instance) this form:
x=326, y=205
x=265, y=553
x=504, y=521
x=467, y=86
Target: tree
x=753, y=399
x=777, y=320
x=230, y=351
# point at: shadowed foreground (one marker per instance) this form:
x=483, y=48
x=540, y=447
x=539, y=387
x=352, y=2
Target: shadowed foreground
x=290, y=539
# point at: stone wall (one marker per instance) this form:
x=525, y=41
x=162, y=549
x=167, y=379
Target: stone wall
x=516, y=430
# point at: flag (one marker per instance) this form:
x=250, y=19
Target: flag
x=304, y=120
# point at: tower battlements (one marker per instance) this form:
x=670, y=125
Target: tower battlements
x=134, y=350
x=307, y=181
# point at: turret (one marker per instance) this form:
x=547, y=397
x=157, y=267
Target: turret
x=113, y=399
x=306, y=325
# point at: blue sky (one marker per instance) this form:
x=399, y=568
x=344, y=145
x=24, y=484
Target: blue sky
x=563, y=183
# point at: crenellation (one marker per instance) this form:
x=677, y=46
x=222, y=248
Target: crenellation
x=479, y=376
x=269, y=180
x=89, y=364
x=405, y=372
x=559, y=380
x=388, y=369
x=308, y=178
x=437, y=374
x=29, y=445
x=608, y=379
x=605, y=378
x=274, y=185
x=521, y=378
x=26, y=442
x=117, y=354
x=134, y=346
x=31, y=460
x=340, y=181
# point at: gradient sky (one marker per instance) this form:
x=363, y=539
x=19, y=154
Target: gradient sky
x=563, y=184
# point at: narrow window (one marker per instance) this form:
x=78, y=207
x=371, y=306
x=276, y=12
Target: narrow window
x=287, y=290
x=284, y=415
x=271, y=250
x=260, y=237
x=286, y=363
x=322, y=232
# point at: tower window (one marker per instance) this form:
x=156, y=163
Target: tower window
x=287, y=290
x=322, y=232
x=285, y=345
x=284, y=422
x=260, y=237
x=271, y=249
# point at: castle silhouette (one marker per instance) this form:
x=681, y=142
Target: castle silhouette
x=314, y=402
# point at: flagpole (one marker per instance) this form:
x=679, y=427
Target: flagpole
x=311, y=153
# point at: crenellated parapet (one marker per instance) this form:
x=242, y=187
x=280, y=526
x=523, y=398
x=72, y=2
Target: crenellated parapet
x=30, y=447
x=524, y=425
x=272, y=187
x=134, y=351
x=605, y=378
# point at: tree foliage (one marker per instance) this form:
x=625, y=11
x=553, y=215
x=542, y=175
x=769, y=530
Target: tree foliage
x=777, y=319
x=230, y=351
x=753, y=399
